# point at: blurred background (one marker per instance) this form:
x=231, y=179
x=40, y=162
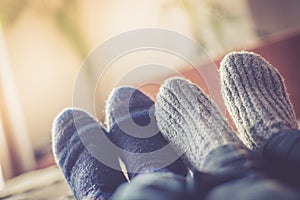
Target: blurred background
x=43, y=44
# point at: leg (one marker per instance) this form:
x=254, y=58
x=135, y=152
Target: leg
x=281, y=154
x=237, y=174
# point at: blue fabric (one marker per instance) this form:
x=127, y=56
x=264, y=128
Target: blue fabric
x=281, y=155
x=158, y=186
x=233, y=172
x=237, y=173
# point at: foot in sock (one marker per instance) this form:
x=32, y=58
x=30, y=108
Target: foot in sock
x=190, y=120
x=133, y=128
x=256, y=98
x=87, y=177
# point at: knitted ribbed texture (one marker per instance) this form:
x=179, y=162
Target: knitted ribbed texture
x=88, y=178
x=256, y=98
x=190, y=120
x=133, y=128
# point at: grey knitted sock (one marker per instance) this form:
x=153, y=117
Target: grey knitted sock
x=190, y=120
x=256, y=98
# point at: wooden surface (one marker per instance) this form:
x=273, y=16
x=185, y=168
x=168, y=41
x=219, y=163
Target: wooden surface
x=46, y=184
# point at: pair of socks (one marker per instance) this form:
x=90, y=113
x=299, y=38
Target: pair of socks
x=77, y=137
x=255, y=96
x=194, y=125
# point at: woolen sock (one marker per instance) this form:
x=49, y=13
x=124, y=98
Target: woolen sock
x=133, y=128
x=256, y=98
x=87, y=177
x=190, y=120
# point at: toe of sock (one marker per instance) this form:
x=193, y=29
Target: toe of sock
x=64, y=127
x=125, y=102
x=62, y=120
x=234, y=61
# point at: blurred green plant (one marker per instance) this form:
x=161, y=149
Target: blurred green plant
x=63, y=13
x=10, y=10
x=214, y=23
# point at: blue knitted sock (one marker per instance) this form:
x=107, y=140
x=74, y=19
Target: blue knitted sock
x=133, y=128
x=87, y=177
